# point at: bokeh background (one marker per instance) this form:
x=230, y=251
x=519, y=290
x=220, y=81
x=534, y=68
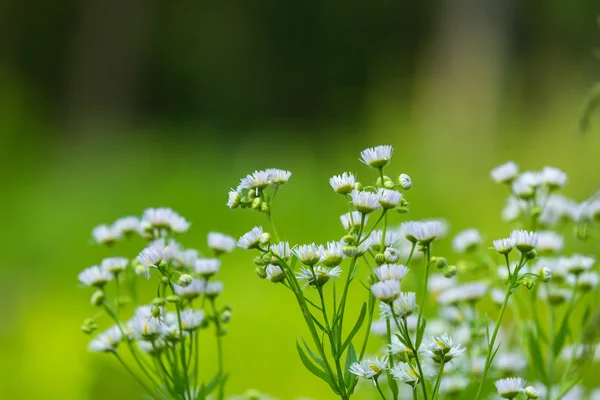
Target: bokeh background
x=108, y=107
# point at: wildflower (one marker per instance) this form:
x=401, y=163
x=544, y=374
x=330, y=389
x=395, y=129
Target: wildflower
x=391, y=255
x=318, y=275
x=251, y=239
x=344, y=183
x=503, y=246
x=553, y=177
x=192, y=291
x=220, y=243
x=146, y=326
x=114, y=265
x=549, y=242
x=256, y=180
x=332, y=255
x=532, y=393
x=453, y=385
x=278, y=176
x=397, y=348
x=386, y=291
x=546, y=274
x=163, y=218
x=207, y=267
x=403, y=306
x=437, y=283
x=280, y=251
x=388, y=198
x=506, y=172
x=185, y=280
x=406, y=373
x=391, y=272
x=151, y=347
x=392, y=238
x=107, y=341
x=95, y=276
x=510, y=388
x=524, y=241
x=509, y=363
x=377, y=157
x=556, y=296
x=441, y=349
x=585, y=282
x=191, y=319
x=213, y=289
x=235, y=199
x=364, y=202
x=513, y=209
x=370, y=368
x=274, y=273
x=468, y=292
x=353, y=220
x=106, y=235
x=405, y=181
x=424, y=232
x=127, y=225
x=466, y=241
x=576, y=264
x=309, y=254
x=152, y=255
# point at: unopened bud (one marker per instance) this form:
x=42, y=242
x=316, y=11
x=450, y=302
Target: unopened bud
x=405, y=181
x=531, y=393
x=140, y=270
x=358, y=186
x=264, y=238
x=349, y=239
x=256, y=203
x=185, y=280
x=528, y=283
x=350, y=251
x=439, y=262
x=226, y=316
x=546, y=274
x=264, y=207
x=89, y=326
x=259, y=261
x=164, y=280
x=450, y=271
x=97, y=298
x=389, y=184
x=531, y=255
x=261, y=272
x=380, y=259
x=158, y=301
x=173, y=299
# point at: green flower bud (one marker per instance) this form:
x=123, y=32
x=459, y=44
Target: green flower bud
x=256, y=203
x=164, y=280
x=264, y=207
x=389, y=184
x=380, y=259
x=350, y=251
x=98, y=298
x=258, y=260
x=265, y=238
x=439, y=262
x=226, y=316
x=528, y=283
x=358, y=186
x=89, y=326
x=261, y=272
x=140, y=270
x=185, y=280
x=158, y=301
x=531, y=393
x=531, y=255
x=450, y=271
x=173, y=299
x=349, y=239
x=546, y=274
x=401, y=209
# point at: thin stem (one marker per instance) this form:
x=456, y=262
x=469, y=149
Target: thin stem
x=219, y=345
x=427, y=262
x=379, y=389
x=392, y=383
x=360, y=241
x=438, y=381
x=410, y=255
x=133, y=374
x=413, y=349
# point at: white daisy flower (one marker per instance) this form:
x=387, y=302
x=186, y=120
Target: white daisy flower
x=386, y=291
x=207, y=267
x=106, y=235
x=344, y=183
x=513, y=209
x=453, y=384
x=532, y=393
x=405, y=181
x=388, y=198
x=280, y=250
x=370, y=368
x=107, y=341
x=278, y=176
x=352, y=220
x=152, y=255
x=364, y=202
x=555, y=296
x=403, y=306
x=251, y=239
x=509, y=363
x=309, y=254
x=510, y=388
x=220, y=243
x=553, y=177
x=377, y=157
x=506, y=172
x=147, y=328
x=549, y=242
x=164, y=218
x=442, y=349
x=318, y=275
x=576, y=264
x=406, y=373
x=524, y=241
x=153, y=347
x=274, y=273
x=391, y=255
x=114, y=265
x=127, y=225
x=95, y=276
x=397, y=348
x=466, y=241
x=256, y=180
x=584, y=282
x=422, y=231
x=392, y=238
x=525, y=185
x=468, y=292
x=213, y=289
x=234, y=199
x=332, y=255
x=387, y=272
x=194, y=290
x=503, y=246
x=191, y=319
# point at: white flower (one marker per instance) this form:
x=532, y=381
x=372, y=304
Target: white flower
x=510, y=388
x=194, y=290
x=406, y=373
x=352, y=220
x=576, y=264
x=468, y=292
x=392, y=238
x=114, y=265
x=318, y=275
x=554, y=178
x=149, y=347
x=213, y=289
x=524, y=241
x=453, y=384
x=403, y=306
x=391, y=255
x=506, y=172
x=364, y=202
x=525, y=185
x=422, y=231
x=558, y=207
x=466, y=240
x=191, y=319
x=127, y=225
x=370, y=368
x=95, y=276
x=503, y=246
x=207, y=267
x=437, y=283
x=280, y=250
x=388, y=198
x=344, y=183
x=584, y=282
x=509, y=363
x=107, y=341
x=377, y=157
x=220, y=243
x=397, y=348
x=251, y=239
x=164, y=218
x=264, y=178
x=278, y=176
x=152, y=255
x=386, y=291
x=549, y=242
x=274, y=273
x=513, y=209
x=147, y=327
x=391, y=271
x=234, y=199
x=106, y=235
x=442, y=349
x=332, y=255
x=309, y=254
x=405, y=181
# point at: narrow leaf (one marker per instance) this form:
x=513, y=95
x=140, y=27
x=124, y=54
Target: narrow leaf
x=350, y=359
x=315, y=370
x=357, y=326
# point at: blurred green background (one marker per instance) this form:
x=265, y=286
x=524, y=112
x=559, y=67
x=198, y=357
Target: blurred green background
x=110, y=107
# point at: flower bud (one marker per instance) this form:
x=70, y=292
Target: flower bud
x=380, y=259
x=350, y=251
x=164, y=280
x=405, y=181
x=89, y=326
x=450, y=271
x=391, y=255
x=264, y=207
x=185, y=280
x=261, y=272
x=531, y=255
x=531, y=393
x=528, y=283
x=226, y=316
x=546, y=274
x=140, y=270
x=97, y=298
x=358, y=186
x=264, y=238
x=258, y=260
x=234, y=199
x=401, y=210
x=173, y=299
x=256, y=203
x=389, y=184
x=156, y=312
x=158, y=301
x=349, y=239
x=439, y=262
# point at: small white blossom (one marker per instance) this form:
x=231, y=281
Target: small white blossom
x=364, y=202
x=95, y=276
x=466, y=240
x=422, y=231
x=274, y=273
x=549, y=242
x=332, y=255
x=251, y=239
x=207, y=267
x=280, y=250
x=468, y=292
x=405, y=181
x=213, y=289
x=194, y=290
x=392, y=238
x=164, y=218
x=584, y=282
x=262, y=179
x=127, y=225
x=147, y=327
x=524, y=241
x=442, y=349
x=107, y=341
x=152, y=255
x=278, y=176
x=504, y=246
x=191, y=319
x=370, y=368
x=391, y=255
x=106, y=235
x=352, y=220
x=453, y=384
x=506, y=172
x=513, y=209
x=309, y=254
x=576, y=264
x=318, y=275
x=114, y=265
x=525, y=185
x=386, y=291
x=391, y=272
x=220, y=243
x=406, y=373
x=403, y=306
x=344, y=183
x=553, y=177
x=437, y=283
x=510, y=388
x=397, y=348
x=388, y=198
x=234, y=199
x=377, y=157
x=509, y=363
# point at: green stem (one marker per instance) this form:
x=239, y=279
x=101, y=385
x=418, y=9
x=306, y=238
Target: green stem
x=413, y=349
x=438, y=381
x=138, y=380
x=379, y=390
x=427, y=261
x=392, y=383
x=410, y=255
x=219, y=346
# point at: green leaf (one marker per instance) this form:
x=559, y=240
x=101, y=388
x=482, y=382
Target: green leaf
x=356, y=328
x=563, y=331
x=590, y=104
x=421, y=332
x=535, y=354
x=350, y=359
x=316, y=321
x=315, y=370
x=315, y=357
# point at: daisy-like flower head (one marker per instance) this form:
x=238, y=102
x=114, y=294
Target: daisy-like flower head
x=274, y=273
x=504, y=246
x=468, y=292
x=164, y=218
x=107, y=341
x=386, y=291
x=344, y=183
x=213, y=289
x=235, y=199
x=524, y=241
x=404, y=306
x=332, y=255
x=442, y=349
x=193, y=291
x=392, y=238
x=278, y=176
x=220, y=243
x=377, y=157
x=397, y=348
x=405, y=181
x=424, y=232
x=506, y=172
x=576, y=264
x=406, y=373
x=95, y=276
x=509, y=363
x=279, y=251
x=352, y=220
x=556, y=296
x=391, y=272
x=251, y=239
x=391, y=255
x=553, y=177
x=549, y=242
x=466, y=241
x=437, y=283
x=114, y=265
x=388, y=198
x=149, y=347
x=127, y=225
x=106, y=235
x=156, y=252
x=318, y=275
x=370, y=368
x=513, y=209
x=207, y=267
x=584, y=282
x=191, y=319
x=526, y=184
x=509, y=388
x=147, y=327
x=453, y=384
x=256, y=180
x=365, y=202
x=309, y=254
